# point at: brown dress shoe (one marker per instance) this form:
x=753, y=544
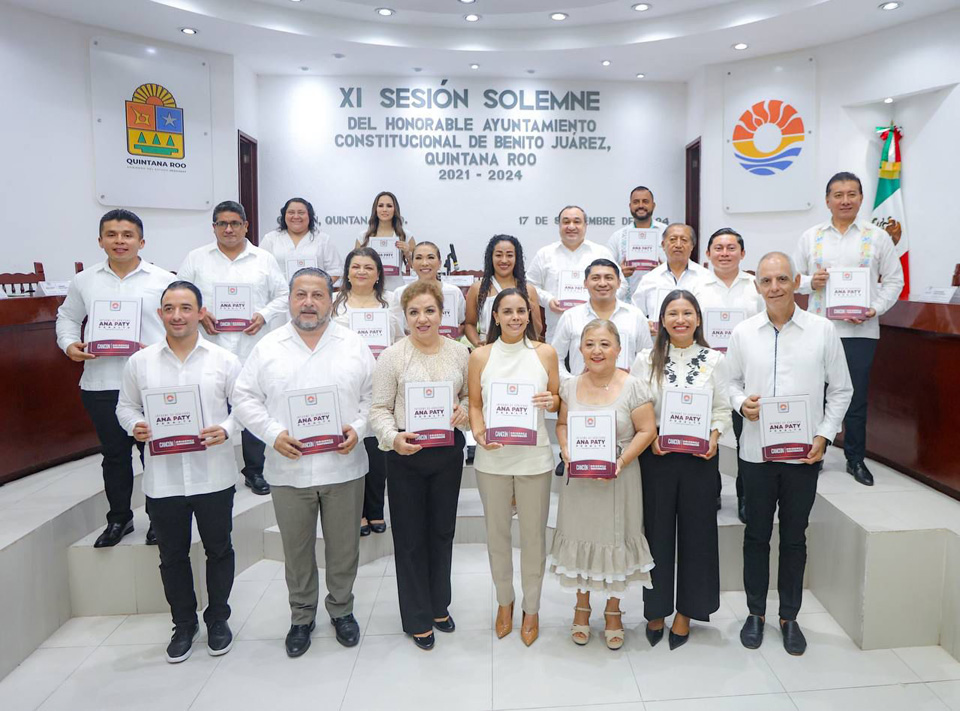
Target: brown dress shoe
x=504, y=624
x=530, y=629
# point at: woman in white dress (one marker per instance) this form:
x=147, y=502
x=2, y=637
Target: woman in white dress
x=386, y=221
x=297, y=238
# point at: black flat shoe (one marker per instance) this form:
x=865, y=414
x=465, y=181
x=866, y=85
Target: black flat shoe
x=741, y=509
x=424, y=643
x=257, y=484
x=298, y=639
x=677, y=640
x=793, y=640
x=181, y=644
x=751, y=634
x=379, y=527
x=365, y=530
x=654, y=636
x=447, y=625
x=860, y=472
x=151, y=539
x=113, y=534
x=348, y=631
x=219, y=638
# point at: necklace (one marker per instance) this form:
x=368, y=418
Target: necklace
x=605, y=387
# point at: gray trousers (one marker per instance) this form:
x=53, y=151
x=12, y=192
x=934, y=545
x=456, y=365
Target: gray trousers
x=339, y=507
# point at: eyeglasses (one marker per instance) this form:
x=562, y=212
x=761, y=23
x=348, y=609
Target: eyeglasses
x=223, y=224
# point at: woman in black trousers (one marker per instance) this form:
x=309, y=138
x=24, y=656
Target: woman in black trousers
x=679, y=489
x=423, y=482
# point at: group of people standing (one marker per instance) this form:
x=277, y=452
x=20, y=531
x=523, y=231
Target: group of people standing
x=635, y=337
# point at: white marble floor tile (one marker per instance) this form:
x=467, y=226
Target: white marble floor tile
x=261, y=570
x=471, y=605
x=373, y=569
x=736, y=600
x=760, y=702
x=133, y=676
x=258, y=675
x=632, y=706
x=38, y=676
x=556, y=672
x=469, y=558
x=902, y=697
x=711, y=663
x=84, y=631
x=930, y=663
x=948, y=692
x=155, y=628
x=391, y=674
x=832, y=660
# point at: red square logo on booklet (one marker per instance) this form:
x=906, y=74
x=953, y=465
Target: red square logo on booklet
x=368, y=317
x=170, y=398
x=724, y=315
x=591, y=422
x=687, y=398
x=512, y=389
x=847, y=276
x=232, y=290
x=311, y=399
x=428, y=392
x=301, y=263
x=784, y=407
x=114, y=305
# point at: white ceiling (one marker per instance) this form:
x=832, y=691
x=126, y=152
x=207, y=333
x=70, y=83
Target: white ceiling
x=667, y=43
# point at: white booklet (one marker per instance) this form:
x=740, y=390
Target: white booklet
x=659, y=298
x=113, y=329
x=448, y=321
x=175, y=418
x=373, y=326
x=642, y=249
x=571, y=291
x=511, y=417
x=592, y=444
x=848, y=293
x=232, y=306
x=315, y=418
x=685, y=415
x=296, y=264
x=718, y=325
x=386, y=248
x=429, y=411
x=785, y=427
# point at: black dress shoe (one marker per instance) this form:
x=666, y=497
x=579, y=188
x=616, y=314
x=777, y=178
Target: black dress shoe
x=348, y=631
x=113, y=533
x=219, y=638
x=257, y=484
x=860, y=472
x=425, y=643
x=379, y=527
x=365, y=530
x=793, y=640
x=447, y=625
x=677, y=640
x=151, y=539
x=654, y=636
x=181, y=644
x=741, y=509
x=298, y=639
x=751, y=634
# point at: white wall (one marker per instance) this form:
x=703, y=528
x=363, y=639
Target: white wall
x=853, y=79
x=245, y=100
x=50, y=213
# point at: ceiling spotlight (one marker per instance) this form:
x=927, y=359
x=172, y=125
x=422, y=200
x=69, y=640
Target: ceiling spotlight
x=559, y=16
x=294, y=0
x=888, y=100
x=890, y=5
x=605, y=62
x=385, y=12
x=468, y=2
x=188, y=30
x=642, y=6
x=740, y=46
x=640, y=76
x=336, y=55
x=471, y=17
x=531, y=71
x=473, y=66
x=418, y=69
x=303, y=69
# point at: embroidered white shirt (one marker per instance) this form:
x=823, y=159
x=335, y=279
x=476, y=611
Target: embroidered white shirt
x=629, y=320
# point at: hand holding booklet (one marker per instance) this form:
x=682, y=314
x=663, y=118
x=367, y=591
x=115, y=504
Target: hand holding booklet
x=592, y=444
x=315, y=419
x=571, y=290
x=429, y=410
x=113, y=328
x=232, y=307
x=642, y=249
x=386, y=249
x=175, y=418
x=511, y=417
x=785, y=428
x=718, y=325
x=848, y=293
x=685, y=416
x=373, y=326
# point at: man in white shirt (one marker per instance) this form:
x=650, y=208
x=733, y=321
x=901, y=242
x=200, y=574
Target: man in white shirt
x=232, y=261
x=571, y=254
x=641, y=208
x=602, y=280
x=678, y=272
x=728, y=288
x=123, y=276
x=312, y=352
x=782, y=351
x=845, y=241
x=179, y=486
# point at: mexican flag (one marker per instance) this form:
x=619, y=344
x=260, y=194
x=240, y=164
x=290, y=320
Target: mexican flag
x=888, y=207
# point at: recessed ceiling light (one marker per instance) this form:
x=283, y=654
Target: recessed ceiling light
x=642, y=6
x=303, y=69
x=151, y=50
x=468, y=2
x=385, y=11
x=294, y=0
x=888, y=100
x=559, y=16
x=640, y=76
x=188, y=30
x=338, y=55
x=472, y=17
x=740, y=46
x=890, y=5
x=605, y=62
x=418, y=69
x=473, y=66
x=531, y=71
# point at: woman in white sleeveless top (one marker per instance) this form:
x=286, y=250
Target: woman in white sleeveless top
x=513, y=470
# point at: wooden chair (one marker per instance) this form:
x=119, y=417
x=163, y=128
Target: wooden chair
x=956, y=276
x=475, y=273
x=14, y=284
x=77, y=267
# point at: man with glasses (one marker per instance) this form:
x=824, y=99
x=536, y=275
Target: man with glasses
x=232, y=266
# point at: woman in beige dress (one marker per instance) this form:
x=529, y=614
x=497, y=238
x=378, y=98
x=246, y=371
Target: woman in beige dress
x=599, y=543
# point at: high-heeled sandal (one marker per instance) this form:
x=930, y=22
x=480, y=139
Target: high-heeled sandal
x=529, y=634
x=584, y=630
x=615, y=638
x=504, y=627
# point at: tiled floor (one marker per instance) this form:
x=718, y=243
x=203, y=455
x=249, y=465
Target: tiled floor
x=109, y=663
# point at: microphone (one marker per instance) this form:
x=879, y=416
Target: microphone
x=453, y=256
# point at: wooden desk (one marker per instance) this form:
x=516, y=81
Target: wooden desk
x=41, y=418
x=913, y=421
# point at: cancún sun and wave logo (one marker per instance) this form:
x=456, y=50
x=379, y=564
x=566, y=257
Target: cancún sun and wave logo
x=768, y=137
x=154, y=123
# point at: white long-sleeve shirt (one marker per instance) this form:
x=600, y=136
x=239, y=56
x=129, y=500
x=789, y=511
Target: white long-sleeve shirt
x=549, y=261
x=661, y=278
x=712, y=293
x=617, y=244
x=629, y=320
x=315, y=245
x=215, y=370
x=799, y=359
x=281, y=363
x=862, y=245
x=207, y=266
x=99, y=282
